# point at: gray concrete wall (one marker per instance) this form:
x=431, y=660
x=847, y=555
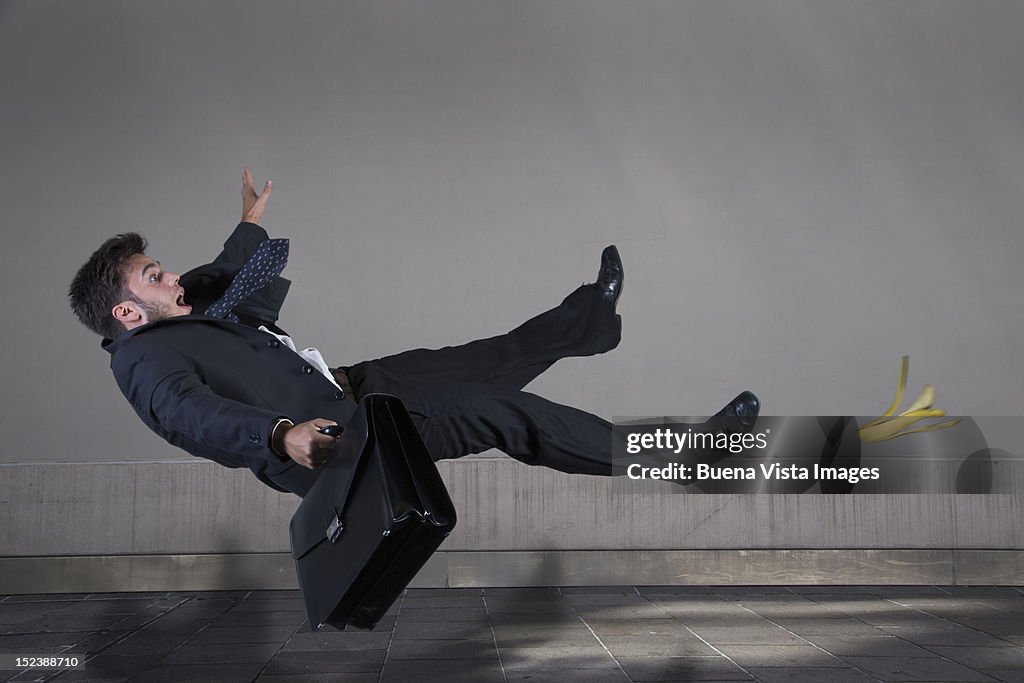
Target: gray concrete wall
x=194, y=526
x=200, y=508
x=802, y=191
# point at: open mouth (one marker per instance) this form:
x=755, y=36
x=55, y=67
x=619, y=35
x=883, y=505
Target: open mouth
x=181, y=300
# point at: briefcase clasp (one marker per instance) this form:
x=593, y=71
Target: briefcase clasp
x=334, y=529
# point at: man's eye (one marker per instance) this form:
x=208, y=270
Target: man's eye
x=153, y=278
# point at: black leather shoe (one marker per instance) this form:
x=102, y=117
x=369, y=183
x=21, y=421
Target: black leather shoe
x=744, y=408
x=610, y=276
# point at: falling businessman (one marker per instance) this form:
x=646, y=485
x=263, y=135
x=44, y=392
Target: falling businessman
x=202, y=361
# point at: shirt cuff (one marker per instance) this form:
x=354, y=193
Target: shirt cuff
x=273, y=433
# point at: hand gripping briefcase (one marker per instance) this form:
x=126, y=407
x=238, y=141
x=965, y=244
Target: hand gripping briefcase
x=375, y=515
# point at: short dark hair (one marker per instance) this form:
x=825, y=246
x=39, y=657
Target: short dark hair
x=100, y=284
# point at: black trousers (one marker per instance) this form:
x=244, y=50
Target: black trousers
x=468, y=399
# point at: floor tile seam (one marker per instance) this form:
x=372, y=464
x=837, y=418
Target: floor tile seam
x=597, y=637
x=955, y=623
x=901, y=657
x=211, y=620
x=812, y=644
x=972, y=602
x=60, y=673
x=811, y=595
x=943, y=680
x=394, y=628
x=1008, y=613
x=272, y=657
x=810, y=598
x=855, y=618
x=97, y=597
x=912, y=608
x=494, y=636
x=147, y=623
x=1000, y=609
x=558, y=589
x=85, y=597
x=972, y=668
x=701, y=639
x=601, y=643
x=123, y=638
x=15, y=677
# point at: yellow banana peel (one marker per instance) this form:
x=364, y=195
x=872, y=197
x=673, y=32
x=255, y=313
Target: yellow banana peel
x=925, y=400
x=889, y=426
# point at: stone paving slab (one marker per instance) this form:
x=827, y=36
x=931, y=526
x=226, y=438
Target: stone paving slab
x=218, y=635
x=453, y=670
x=318, y=661
x=876, y=646
x=1009, y=657
x=953, y=634
x=579, y=633
x=638, y=627
x=683, y=669
x=320, y=678
x=780, y=655
x=510, y=636
x=915, y=669
x=453, y=630
x=564, y=675
x=746, y=635
x=573, y=657
x=808, y=675
x=1008, y=675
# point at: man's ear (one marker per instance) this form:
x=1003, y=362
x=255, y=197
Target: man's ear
x=129, y=314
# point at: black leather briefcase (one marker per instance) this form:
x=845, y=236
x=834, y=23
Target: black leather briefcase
x=374, y=516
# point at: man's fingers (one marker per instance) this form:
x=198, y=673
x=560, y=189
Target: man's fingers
x=322, y=442
x=259, y=201
x=265, y=195
x=319, y=457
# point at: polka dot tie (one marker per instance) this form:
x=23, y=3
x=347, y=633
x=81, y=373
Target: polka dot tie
x=263, y=266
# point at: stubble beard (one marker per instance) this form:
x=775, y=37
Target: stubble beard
x=154, y=312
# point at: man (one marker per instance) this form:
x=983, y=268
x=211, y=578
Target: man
x=201, y=360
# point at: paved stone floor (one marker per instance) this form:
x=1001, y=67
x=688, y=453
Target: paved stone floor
x=622, y=633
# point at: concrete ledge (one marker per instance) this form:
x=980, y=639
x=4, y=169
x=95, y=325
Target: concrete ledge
x=192, y=525
x=276, y=571
x=195, y=507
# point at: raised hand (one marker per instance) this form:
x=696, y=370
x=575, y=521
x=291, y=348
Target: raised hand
x=253, y=204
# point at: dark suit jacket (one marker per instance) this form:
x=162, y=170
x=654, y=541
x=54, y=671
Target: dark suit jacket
x=214, y=388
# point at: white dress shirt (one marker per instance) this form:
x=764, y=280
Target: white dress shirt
x=312, y=355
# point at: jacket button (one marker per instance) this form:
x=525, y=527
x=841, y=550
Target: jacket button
x=255, y=438
x=308, y=369
x=340, y=394
x=273, y=343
